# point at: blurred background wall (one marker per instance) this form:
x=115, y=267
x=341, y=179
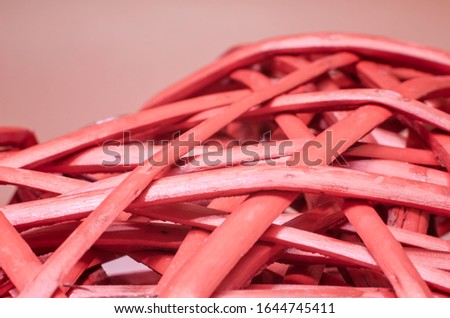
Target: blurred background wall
x=65, y=64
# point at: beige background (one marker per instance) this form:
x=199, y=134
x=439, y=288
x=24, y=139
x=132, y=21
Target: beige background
x=64, y=64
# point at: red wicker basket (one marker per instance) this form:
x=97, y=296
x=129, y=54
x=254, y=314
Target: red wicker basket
x=310, y=165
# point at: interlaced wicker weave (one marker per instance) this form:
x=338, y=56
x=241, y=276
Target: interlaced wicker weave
x=311, y=165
